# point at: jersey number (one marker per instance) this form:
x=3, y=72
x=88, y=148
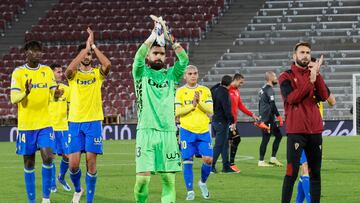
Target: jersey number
x=23, y=138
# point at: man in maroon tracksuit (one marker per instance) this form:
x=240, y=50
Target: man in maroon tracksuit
x=301, y=89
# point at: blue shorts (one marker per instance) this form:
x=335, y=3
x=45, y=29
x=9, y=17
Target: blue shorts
x=303, y=157
x=61, y=138
x=29, y=141
x=85, y=137
x=195, y=144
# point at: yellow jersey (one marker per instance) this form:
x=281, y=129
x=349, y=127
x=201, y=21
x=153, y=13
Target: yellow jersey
x=59, y=110
x=33, y=110
x=194, y=119
x=85, y=96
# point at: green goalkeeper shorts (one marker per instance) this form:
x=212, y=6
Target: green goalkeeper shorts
x=157, y=151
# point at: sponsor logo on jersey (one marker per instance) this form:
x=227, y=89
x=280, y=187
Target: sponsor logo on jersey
x=39, y=85
x=86, y=82
x=158, y=85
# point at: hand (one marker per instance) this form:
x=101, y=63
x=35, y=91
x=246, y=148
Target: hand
x=233, y=126
x=313, y=73
x=91, y=36
x=167, y=34
x=256, y=118
x=319, y=63
x=58, y=92
x=196, y=98
x=28, y=86
x=281, y=123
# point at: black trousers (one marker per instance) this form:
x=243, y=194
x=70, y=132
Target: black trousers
x=274, y=129
x=312, y=145
x=234, y=141
x=221, y=146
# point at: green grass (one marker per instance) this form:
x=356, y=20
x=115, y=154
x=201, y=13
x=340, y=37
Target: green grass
x=116, y=169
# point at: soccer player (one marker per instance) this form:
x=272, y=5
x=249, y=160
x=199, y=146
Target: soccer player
x=85, y=115
x=236, y=103
x=221, y=122
x=304, y=124
x=157, y=149
x=32, y=85
x=194, y=106
x=303, y=189
x=267, y=112
x=59, y=118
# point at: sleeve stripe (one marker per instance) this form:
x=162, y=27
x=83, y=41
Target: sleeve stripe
x=14, y=88
x=177, y=103
x=53, y=87
x=208, y=101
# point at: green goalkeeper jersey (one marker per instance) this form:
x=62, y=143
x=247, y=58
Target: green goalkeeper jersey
x=155, y=91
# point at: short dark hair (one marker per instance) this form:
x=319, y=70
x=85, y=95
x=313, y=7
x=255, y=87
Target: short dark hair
x=226, y=80
x=313, y=59
x=81, y=47
x=305, y=44
x=54, y=65
x=155, y=44
x=32, y=45
x=238, y=76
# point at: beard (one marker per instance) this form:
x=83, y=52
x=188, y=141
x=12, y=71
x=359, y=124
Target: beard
x=85, y=63
x=301, y=63
x=156, y=65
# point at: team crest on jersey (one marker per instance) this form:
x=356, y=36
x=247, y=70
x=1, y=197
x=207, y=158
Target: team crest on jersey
x=296, y=146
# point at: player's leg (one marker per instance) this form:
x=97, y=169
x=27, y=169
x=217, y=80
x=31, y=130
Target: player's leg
x=46, y=143
x=26, y=146
x=206, y=152
x=167, y=161
x=76, y=144
x=93, y=147
x=64, y=163
x=262, y=150
x=145, y=163
x=217, y=145
x=235, y=141
x=278, y=136
x=57, y=150
x=295, y=143
x=303, y=183
x=314, y=156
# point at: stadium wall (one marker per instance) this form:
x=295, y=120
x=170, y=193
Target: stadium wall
x=246, y=129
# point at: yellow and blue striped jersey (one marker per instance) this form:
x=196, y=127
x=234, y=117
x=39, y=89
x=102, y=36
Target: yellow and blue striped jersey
x=85, y=96
x=33, y=110
x=59, y=110
x=196, y=119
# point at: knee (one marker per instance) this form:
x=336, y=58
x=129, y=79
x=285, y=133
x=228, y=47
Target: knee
x=48, y=159
x=314, y=174
x=292, y=171
x=91, y=167
x=28, y=163
x=237, y=140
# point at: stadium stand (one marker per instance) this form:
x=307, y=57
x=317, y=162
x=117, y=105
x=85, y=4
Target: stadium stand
x=332, y=27
x=119, y=28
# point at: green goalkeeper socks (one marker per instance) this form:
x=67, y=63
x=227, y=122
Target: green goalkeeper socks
x=141, y=188
x=168, y=188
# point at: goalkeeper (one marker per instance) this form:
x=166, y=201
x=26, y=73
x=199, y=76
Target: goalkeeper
x=156, y=145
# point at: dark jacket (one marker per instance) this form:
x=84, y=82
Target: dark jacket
x=267, y=107
x=222, y=105
x=300, y=103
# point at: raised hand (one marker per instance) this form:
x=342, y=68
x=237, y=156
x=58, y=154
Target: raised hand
x=196, y=98
x=319, y=63
x=28, y=86
x=313, y=73
x=91, y=35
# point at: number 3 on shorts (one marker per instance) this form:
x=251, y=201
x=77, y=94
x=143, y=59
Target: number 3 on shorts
x=138, y=151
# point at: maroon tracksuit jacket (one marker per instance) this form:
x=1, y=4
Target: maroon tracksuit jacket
x=300, y=98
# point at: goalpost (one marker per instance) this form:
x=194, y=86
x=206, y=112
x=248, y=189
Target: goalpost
x=356, y=103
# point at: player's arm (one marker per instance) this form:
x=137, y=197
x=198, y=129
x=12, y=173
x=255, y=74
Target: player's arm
x=19, y=92
x=105, y=62
x=331, y=100
x=72, y=68
x=139, y=60
x=273, y=107
x=322, y=91
x=206, y=104
x=225, y=103
x=182, y=62
x=294, y=95
x=180, y=108
x=243, y=108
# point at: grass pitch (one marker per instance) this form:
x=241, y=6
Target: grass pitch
x=116, y=175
